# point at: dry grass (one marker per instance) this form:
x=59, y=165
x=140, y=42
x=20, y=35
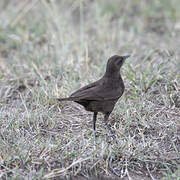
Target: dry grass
x=48, y=49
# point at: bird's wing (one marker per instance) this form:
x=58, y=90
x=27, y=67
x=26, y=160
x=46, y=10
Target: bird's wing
x=89, y=86
x=96, y=92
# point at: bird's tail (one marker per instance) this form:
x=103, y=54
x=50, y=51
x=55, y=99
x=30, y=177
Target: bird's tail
x=66, y=99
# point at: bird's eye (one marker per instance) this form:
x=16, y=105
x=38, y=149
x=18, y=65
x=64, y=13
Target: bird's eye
x=121, y=59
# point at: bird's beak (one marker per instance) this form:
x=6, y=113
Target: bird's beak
x=125, y=57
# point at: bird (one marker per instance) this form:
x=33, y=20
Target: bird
x=102, y=95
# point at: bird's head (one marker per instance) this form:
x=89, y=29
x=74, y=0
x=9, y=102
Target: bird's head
x=114, y=64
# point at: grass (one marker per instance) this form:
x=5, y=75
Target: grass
x=48, y=49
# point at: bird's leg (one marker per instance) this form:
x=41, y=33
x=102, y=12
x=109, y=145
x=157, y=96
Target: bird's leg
x=106, y=117
x=94, y=125
x=94, y=120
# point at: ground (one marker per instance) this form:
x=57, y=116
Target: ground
x=49, y=49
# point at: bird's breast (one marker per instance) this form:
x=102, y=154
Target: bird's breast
x=114, y=83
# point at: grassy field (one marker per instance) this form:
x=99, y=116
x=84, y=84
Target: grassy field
x=48, y=49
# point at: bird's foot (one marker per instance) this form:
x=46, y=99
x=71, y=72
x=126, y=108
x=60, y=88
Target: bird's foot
x=111, y=136
x=96, y=134
x=109, y=128
x=112, y=132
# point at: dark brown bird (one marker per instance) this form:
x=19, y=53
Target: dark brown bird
x=102, y=95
